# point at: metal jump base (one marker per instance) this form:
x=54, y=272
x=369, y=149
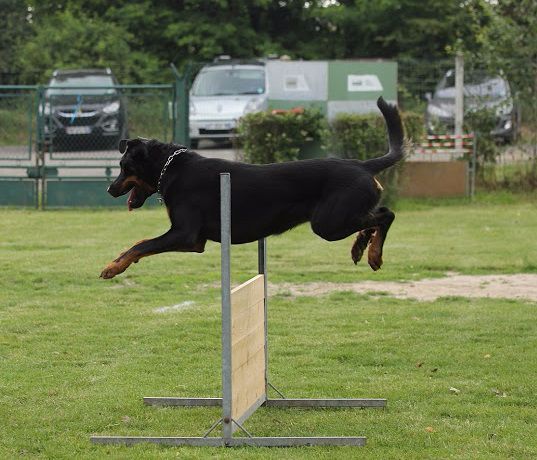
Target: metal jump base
x=244, y=349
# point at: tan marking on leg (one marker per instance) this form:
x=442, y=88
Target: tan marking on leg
x=122, y=263
x=374, y=254
x=363, y=238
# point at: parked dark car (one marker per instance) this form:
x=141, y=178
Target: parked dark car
x=83, y=110
x=480, y=91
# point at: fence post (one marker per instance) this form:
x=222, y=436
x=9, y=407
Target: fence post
x=40, y=148
x=181, y=132
x=459, y=99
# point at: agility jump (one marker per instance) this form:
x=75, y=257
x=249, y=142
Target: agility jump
x=245, y=381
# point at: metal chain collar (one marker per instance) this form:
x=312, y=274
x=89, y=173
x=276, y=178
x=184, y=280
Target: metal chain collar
x=168, y=161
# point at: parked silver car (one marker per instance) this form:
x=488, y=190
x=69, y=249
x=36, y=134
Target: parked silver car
x=480, y=91
x=223, y=92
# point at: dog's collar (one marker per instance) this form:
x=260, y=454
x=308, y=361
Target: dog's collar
x=168, y=161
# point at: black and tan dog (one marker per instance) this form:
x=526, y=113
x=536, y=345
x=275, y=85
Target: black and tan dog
x=338, y=197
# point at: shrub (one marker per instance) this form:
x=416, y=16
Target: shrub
x=356, y=136
x=268, y=137
x=364, y=136
x=482, y=122
x=414, y=125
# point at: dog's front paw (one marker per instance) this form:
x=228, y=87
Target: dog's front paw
x=112, y=270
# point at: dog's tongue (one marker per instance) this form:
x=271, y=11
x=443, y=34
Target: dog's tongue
x=131, y=198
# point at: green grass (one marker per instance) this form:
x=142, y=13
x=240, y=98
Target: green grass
x=78, y=353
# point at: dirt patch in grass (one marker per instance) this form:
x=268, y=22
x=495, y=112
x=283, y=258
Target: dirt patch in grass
x=517, y=286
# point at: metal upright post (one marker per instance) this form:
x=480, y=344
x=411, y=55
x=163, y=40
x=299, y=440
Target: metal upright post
x=262, y=270
x=459, y=100
x=474, y=167
x=225, y=240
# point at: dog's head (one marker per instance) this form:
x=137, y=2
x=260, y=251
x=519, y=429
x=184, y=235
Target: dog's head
x=136, y=175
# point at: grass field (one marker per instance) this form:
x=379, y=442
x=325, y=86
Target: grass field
x=77, y=353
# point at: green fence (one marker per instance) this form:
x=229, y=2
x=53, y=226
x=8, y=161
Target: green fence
x=58, y=145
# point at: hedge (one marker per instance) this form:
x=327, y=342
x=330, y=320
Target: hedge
x=364, y=136
x=274, y=137
x=270, y=137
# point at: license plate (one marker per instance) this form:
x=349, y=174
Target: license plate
x=219, y=126
x=78, y=130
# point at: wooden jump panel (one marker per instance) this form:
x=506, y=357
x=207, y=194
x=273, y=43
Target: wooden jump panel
x=247, y=345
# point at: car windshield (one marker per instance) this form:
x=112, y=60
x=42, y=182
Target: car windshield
x=81, y=84
x=478, y=86
x=230, y=81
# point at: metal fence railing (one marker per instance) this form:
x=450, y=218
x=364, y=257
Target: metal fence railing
x=500, y=107
x=58, y=145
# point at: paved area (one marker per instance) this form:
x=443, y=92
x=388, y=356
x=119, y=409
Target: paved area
x=90, y=163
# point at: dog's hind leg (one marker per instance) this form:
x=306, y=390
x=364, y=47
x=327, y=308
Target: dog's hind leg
x=359, y=246
x=375, y=236
x=338, y=218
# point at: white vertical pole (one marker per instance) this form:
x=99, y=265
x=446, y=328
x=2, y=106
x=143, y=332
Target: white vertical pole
x=459, y=99
x=262, y=269
x=225, y=242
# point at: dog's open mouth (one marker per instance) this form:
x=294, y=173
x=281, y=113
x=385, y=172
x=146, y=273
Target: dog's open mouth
x=132, y=198
x=137, y=198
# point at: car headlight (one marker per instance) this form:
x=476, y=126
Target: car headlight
x=436, y=111
x=45, y=109
x=254, y=105
x=111, y=108
x=192, y=108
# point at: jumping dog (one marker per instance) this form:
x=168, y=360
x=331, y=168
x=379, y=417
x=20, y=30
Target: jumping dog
x=338, y=197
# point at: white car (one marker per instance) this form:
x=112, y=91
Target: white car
x=223, y=92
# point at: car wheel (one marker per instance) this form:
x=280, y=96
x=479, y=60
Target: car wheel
x=194, y=143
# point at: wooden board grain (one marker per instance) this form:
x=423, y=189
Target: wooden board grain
x=247, y=345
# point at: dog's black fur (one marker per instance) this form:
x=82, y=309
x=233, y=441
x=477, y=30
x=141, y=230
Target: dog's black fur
x=339, y=197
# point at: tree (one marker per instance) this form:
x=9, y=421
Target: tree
x=15, y=29
x=71, y=38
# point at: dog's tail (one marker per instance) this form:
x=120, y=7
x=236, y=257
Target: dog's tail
x=395, y=137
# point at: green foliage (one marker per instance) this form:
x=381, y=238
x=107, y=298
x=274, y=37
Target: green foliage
x=414, y=125
x=269, y=138
x=274, y=137
x=16, y=119
x=141, y=38
x=14, y=30
x=364, y=136
x=72, y=38
x=357, y=136
x=482, y=122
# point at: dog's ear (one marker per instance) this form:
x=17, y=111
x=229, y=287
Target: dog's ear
x=123, y=144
